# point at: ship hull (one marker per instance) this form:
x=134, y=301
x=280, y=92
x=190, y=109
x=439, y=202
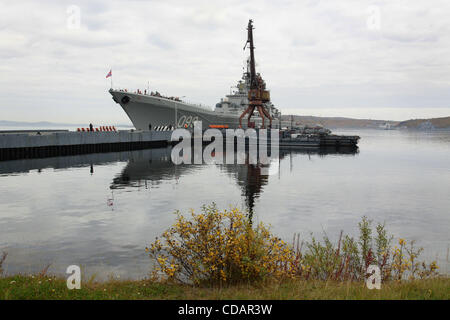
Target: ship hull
x=148, y=112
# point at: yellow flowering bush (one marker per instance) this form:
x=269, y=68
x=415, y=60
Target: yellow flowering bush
x=224, y=247
x=405, y=264
x=218, y=247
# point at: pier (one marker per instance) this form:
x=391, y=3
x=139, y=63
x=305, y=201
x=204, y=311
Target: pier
x=40, y=144
x=54, y=143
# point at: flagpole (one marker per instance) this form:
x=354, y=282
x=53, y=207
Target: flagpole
x=111, y=79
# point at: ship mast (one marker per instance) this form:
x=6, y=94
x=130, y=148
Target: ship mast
x=257, y=94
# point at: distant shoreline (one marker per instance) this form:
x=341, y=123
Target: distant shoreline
x=350, y=123
x=328, y=122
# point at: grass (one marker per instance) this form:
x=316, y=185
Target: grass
x=53, y=288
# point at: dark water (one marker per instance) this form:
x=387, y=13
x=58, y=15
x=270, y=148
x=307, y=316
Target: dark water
x=100, y=211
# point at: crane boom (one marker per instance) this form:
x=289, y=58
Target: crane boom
x=253, y=81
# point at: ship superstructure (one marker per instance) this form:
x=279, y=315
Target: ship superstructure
x=237, y=101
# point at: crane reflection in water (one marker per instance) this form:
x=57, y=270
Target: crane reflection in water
x=151, y=167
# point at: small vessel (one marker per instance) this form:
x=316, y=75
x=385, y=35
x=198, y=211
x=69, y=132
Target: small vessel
x=315, y=137
x=386, y=126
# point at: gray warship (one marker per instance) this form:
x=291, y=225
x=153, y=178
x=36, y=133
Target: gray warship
x=151, y=110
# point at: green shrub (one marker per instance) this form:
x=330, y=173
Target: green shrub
x=349, y=258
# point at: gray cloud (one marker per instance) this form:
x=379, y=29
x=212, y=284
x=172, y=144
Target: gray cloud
x=314, y=55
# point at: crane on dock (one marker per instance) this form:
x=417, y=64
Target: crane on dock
x=257, y=95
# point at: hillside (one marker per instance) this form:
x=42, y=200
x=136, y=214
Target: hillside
x=337, y=122
x=423, y=124
x=47, y=124
x=6, y=123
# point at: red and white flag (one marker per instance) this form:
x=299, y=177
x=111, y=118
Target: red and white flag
x=109, y=74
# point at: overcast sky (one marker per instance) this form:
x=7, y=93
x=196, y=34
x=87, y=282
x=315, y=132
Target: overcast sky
x=355, y=58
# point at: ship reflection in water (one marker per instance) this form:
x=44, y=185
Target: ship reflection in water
x=150, y=167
